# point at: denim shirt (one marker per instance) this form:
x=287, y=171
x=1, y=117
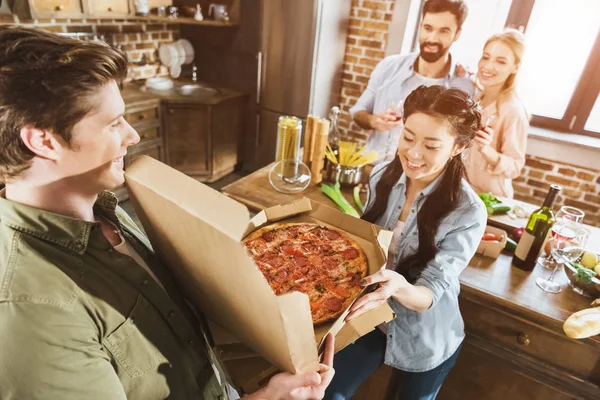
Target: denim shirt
x=385, y=86
x=421, y=341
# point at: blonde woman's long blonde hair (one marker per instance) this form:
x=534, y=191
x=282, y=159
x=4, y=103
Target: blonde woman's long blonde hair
x=515, y=40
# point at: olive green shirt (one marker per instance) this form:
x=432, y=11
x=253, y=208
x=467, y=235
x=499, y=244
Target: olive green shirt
x=79, y=320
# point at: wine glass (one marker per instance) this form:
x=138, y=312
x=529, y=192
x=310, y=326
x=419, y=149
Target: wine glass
x=565, y=216
x=396, y=108
x=567, y=246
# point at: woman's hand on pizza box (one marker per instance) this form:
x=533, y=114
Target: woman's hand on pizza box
x=308, y=386
x=390, y=282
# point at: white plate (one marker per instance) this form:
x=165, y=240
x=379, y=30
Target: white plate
x=159, y=83
x=168, y=54
x=180, y=52
x=175, y=71
x=189, y=50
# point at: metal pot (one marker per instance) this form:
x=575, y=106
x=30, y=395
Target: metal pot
x=347, y=176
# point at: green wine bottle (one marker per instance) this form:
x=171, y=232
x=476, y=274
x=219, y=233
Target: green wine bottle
x=540, y=222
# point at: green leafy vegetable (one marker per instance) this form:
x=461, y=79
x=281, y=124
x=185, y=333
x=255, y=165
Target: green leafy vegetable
x=492, y=204
x=334, y=193
x=584, y=274
x=320, y=287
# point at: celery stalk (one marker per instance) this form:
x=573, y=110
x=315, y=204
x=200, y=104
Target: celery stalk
x=334, y=193
x=359, y=203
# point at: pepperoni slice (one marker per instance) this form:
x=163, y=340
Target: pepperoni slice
x=300, y=261
x=268, y=236
x=331, y=234
x=297, y=274
x=276, y=261
x=325, y=249
x=293, y=231
x=281, y=276
x=350, y=254
x=309, y=247
x=333, y=303
x=341, y=291
x=330, y=263
x=355, y=281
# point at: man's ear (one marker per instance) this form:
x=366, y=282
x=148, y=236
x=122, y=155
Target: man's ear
x=41, y=142
x=457, y=36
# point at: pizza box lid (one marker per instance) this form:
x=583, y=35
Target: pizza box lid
x=197, y=232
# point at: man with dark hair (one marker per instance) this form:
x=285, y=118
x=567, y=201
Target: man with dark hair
x=395, y=77
x=86, y=309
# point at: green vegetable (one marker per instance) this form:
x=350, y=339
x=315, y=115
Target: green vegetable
x=320, y=287
x=498, y=208
x=492, y=204
x=510, y=245
x=488, y=198
x=359, y=203
x=584, y=274
x=334, y=193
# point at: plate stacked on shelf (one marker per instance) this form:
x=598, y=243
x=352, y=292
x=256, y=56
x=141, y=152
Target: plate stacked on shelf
x=176, y=54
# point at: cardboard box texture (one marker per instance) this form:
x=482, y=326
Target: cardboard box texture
x=492, y=249
x=196, y=231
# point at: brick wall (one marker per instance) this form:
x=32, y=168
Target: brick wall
x=581, y=186
x=365, y=47
x=137, y=39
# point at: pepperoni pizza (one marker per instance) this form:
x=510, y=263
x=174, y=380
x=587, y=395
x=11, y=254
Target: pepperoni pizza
x=323, y=262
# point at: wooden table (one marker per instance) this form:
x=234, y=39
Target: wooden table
x=515, y=347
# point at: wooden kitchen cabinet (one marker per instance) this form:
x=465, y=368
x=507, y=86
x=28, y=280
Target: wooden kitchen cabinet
x=107, y=8
x=204, y=140
x=48, y=8
x=157, y=3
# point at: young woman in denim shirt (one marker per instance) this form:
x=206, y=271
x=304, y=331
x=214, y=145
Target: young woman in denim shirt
x=438, y=221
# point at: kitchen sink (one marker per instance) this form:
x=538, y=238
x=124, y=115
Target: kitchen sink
x=195, y=89
x=183, y=88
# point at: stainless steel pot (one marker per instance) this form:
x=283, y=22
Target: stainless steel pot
x=347, y=176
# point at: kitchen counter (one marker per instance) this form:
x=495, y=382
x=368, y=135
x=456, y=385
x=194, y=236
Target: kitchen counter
x=205, y=95
x=515, y=345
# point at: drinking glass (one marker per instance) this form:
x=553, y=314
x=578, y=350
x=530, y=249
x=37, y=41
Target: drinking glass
x=396, y=108
x=564, y=217
x=567, y=246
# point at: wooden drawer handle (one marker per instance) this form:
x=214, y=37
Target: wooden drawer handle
x=59, y=8
x=110, y=9
x=171, y=111
x=523, y=339
x=140, y=117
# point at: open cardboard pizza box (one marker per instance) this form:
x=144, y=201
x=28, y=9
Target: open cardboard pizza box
x=197, y=232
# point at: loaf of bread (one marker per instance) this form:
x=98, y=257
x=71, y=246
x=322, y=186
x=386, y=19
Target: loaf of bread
x=583, y=324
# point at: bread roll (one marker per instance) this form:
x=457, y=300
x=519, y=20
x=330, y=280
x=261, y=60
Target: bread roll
x=583, y=324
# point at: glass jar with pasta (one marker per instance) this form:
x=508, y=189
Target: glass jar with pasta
x=289, y=131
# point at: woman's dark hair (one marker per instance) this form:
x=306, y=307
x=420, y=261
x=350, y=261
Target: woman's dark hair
x=463, y=118
x=457, y=7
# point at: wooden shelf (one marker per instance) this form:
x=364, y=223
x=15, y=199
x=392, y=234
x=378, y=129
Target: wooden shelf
x=184, y=20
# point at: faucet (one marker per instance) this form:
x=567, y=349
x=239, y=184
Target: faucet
x=194, y=73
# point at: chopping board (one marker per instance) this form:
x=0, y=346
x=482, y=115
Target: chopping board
x=509, y=224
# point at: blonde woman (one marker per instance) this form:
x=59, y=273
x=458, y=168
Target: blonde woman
x=497, y=154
